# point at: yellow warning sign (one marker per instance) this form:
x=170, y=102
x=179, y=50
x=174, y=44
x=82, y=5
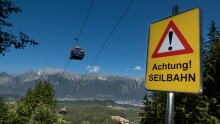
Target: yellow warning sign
x=174, y=54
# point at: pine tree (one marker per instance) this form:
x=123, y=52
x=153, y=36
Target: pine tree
x=212, y=70
x=154, y=109
x=145, y=110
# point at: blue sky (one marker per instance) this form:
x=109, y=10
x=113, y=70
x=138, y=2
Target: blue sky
x=55, y=23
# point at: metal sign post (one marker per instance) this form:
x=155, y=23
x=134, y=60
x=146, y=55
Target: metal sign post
x=170, y=108
x=170, y=95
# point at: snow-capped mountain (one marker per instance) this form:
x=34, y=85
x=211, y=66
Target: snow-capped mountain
x=77, y=86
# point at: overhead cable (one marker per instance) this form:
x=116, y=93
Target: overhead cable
x=103, y=46
x=76, y=39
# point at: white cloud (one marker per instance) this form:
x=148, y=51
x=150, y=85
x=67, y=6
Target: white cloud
x=128, y=68
x=93, y=68
x=137, y=68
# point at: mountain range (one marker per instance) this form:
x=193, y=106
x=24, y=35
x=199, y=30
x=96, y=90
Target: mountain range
x=77, y=86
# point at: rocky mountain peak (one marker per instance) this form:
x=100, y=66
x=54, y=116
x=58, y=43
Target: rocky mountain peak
x=92, y=86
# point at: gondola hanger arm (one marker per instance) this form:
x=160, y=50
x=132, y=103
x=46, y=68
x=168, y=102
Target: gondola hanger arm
x=75, y=39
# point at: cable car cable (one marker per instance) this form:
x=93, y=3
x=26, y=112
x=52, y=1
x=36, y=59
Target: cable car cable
x=102, y=47
x=76, y=39
x=62, y=75
x=84, y=21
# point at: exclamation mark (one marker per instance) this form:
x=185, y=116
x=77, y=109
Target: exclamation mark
x=189, y=63
x=170, y=38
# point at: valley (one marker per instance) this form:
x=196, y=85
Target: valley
x=99, y=112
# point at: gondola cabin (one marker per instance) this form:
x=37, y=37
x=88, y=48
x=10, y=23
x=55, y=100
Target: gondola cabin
x=63, y=111
x=77, y=53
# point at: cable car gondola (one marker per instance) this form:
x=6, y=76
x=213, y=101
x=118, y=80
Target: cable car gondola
x=77, y=53
x=63, y=111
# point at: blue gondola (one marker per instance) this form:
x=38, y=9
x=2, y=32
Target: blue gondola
x=77, y=53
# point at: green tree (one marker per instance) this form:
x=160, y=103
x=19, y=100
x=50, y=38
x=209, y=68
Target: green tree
x=8, y=38
x=145, y=113
x=211, y=71
x=7, y=113
x=38, y=105
x=3, y=111
x=43, y=114
x=190, y=108
x=154, y=109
